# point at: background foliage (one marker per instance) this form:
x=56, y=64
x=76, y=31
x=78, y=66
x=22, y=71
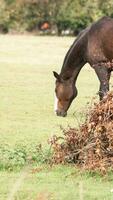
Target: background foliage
x=74, y=15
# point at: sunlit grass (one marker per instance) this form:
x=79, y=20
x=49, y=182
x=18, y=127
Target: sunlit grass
x=27, y=88
x=27, y=115
x=56, y=183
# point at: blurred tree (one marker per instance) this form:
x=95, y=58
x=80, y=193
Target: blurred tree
x=106, y=7
x=27, y=15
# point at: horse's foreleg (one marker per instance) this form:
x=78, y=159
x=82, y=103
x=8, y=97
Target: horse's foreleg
x=103, y=74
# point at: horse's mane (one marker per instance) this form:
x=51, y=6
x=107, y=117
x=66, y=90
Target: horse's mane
x=79, y=37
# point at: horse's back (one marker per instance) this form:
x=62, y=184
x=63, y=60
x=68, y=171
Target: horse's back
x=100, y=41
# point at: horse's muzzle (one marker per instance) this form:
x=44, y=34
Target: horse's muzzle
x=61, y=113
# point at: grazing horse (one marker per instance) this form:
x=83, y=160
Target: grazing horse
x=94, y=45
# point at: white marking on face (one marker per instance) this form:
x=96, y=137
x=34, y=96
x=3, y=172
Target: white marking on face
x=56, y=103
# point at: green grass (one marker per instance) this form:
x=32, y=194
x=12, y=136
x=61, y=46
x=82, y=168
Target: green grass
x=27, y=88
x=57, y=183
x=27, y=115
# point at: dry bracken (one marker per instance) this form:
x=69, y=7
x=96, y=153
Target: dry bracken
x=91, y=145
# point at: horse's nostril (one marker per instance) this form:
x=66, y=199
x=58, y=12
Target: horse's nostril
x=64, y=114
x=61, y=113
x=58, y=113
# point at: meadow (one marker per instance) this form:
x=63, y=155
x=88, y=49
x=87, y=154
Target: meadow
x=27, y=118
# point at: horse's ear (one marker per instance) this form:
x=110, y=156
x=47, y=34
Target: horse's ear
x=56, y=75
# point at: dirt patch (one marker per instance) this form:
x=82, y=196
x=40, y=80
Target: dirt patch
x=44, y=196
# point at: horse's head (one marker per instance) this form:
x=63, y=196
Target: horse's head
x=65, y=93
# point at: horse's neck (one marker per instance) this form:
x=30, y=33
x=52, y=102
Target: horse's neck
x=73, y=62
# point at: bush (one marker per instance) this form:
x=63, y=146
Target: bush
x=91, y=145
x=26, y=15
x=20, y=155
x=12, y=158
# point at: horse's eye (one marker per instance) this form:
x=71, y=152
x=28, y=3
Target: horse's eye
x=60, y=99
x=67, y=99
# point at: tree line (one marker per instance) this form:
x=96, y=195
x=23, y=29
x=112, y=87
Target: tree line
x=73, y=15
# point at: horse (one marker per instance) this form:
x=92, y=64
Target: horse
x=94, y=45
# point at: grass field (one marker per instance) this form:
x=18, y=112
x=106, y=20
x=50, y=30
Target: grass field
x=27, y=117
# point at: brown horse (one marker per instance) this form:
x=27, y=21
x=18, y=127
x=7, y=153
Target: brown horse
x=94, y=45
